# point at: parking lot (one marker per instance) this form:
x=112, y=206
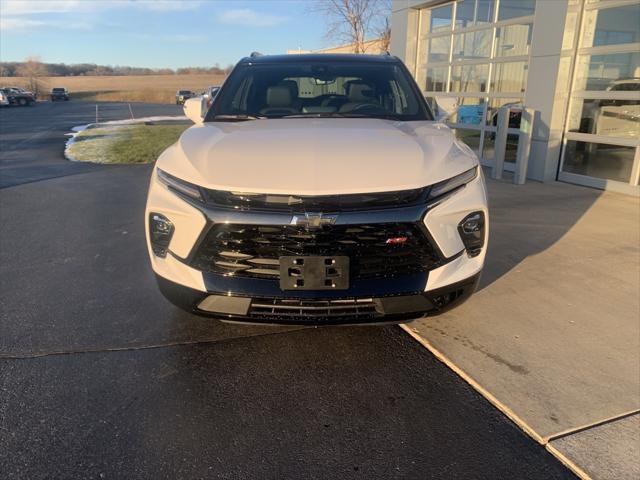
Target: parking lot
x=100, y=377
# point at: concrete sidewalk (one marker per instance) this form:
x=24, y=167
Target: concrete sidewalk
x=552, y=337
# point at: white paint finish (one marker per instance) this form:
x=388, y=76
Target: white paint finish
x=316, y=156
x=442, y=221
x=177, y=272
x=193, y=109
x=187, y=220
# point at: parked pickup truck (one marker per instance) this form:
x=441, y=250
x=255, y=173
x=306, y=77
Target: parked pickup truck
x=59, y=93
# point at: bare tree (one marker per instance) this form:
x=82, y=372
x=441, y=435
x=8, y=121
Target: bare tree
x=353, y=21
x=383, y=33
x=32, y=69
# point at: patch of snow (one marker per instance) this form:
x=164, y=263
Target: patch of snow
x=131, y=121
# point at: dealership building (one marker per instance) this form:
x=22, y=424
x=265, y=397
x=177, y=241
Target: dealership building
x=576, y=63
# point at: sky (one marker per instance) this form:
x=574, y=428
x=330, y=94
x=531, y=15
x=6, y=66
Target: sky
x=155, y=33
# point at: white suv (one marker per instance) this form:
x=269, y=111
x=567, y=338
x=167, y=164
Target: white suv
x=318, y=189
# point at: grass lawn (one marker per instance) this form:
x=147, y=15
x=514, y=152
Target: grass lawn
x=124, y=143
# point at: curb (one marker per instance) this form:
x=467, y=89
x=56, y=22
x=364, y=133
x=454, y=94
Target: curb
x=510, y=414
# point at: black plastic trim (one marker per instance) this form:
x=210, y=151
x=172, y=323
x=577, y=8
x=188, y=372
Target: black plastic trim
x=400, y=308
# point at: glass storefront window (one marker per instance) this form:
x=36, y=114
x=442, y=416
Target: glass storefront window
x=438, y=49
x=515, y=8
x=611, y=162
x=474, y=12
x=513, y=40
x=601, y=72
x=439, y=19
x=612, y=26
x=611, y=118
x=509, y=77
x=469, y=78
x=470, y=137
x=437, y=79
x=472, y=46
x=470, y=111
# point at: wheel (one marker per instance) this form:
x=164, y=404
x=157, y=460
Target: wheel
x=22, y=102
x=66, y=99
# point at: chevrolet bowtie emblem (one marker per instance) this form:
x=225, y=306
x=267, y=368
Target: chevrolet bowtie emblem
x=313, y=221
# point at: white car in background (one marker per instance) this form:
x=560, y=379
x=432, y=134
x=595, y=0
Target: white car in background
x=318, y=189
x=619, y=118
x=4, y=101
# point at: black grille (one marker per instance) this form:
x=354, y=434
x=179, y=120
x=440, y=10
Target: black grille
x=320, y=203
x=343, y=310
x=374, y=250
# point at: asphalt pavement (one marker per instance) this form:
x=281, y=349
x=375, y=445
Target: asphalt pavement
x=100, y=377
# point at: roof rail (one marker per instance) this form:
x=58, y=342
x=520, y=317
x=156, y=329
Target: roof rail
x=255, y=54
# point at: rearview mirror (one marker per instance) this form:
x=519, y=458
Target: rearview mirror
x=193, y=109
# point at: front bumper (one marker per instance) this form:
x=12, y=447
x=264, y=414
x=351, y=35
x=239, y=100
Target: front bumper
x=387, y=299
x=339, y=311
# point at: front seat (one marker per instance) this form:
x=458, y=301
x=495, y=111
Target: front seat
x=279, y=101
x=292, y=85
x=358, y=93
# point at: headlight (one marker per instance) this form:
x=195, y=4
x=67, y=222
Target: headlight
x=179, y=186
x=453, y=183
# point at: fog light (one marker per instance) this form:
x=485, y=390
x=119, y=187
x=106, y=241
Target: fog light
x=160, y=232
x=471, y=230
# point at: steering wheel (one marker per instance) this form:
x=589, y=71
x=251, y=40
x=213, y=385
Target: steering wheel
x=368, y=106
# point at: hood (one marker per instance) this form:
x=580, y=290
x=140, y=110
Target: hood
x=319, y=156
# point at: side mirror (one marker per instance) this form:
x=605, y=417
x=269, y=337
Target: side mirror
x=193, y=109
x=443, y=107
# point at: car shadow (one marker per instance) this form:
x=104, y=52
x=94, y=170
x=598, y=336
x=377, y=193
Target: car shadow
x=528, y=219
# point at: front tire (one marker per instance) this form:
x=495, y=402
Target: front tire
x=22, y=102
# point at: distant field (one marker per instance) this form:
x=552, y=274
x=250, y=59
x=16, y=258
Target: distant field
x=142, y=88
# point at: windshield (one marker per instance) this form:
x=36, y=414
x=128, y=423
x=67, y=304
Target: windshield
x=58, y=90
x=320, y=89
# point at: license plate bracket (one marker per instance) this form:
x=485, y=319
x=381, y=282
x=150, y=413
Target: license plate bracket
x=314, y=272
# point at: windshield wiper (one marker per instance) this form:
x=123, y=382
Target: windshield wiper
x=310, y=115
x=340, y=115
x=236, y=118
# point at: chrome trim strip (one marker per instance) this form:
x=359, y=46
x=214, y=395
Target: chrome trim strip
x=402, y=214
